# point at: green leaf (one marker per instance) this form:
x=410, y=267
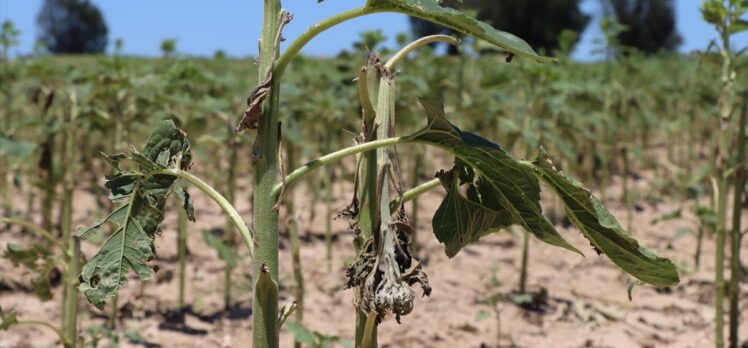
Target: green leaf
x=26, y=257
x=16, y=149
x=431, y=10
x=599, y=226
x=500, y=190
x=475, y=220
x=738, y=26
x=225, y=252
x=38, y=258
x=8, y=319
x=130, y=246
x=301, y=333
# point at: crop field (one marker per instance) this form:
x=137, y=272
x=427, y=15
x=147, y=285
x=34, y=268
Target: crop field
x=377, y=198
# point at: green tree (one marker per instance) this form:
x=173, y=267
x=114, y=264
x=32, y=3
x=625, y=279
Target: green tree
x=650, y=24
x=539, y=22
x=72, y=26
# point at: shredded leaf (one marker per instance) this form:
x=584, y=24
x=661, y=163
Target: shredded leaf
x=143, y=197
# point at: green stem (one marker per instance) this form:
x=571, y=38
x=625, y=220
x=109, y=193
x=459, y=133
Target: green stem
x=71, y=293
x=733, y=289
x=36, y=229
x=333, y=157
x=400, y=55
x=293, y=235
x=415, y=174
x=415, y=192
x=367, y=186
x=327, y=178
x=72, y=256
x=369, y=335
x=114, y=311
x=726, y=109
x=5, y=188
x=295, y=47
x=627, y=197
x=182, y=250
x=230, y=237
x=523, y=270
x=228, y=209
x=265, y=151
x=57, y=331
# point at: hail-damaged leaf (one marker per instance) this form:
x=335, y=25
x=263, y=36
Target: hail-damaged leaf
x=114, y=159
x=38, y=259
x=599, y=226
x=431, y=10
x=143, y=196
x=505, y=193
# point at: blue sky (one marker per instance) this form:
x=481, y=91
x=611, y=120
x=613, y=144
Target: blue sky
x=201, y=26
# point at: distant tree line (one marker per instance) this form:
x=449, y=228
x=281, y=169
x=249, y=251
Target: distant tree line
x=650, y=24
x=72, y=26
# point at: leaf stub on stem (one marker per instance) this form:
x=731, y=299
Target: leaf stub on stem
x=253, y=113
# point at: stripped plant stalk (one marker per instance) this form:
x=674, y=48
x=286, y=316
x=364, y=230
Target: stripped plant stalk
x=367, y=207
x=182, y=254
x=71, y=258
x=733, y=289
x=523, y=268
x=293, y=236
x=723, y=147
x=327, y=182
x=229, y=237
x=265, y=153
x=415, y=176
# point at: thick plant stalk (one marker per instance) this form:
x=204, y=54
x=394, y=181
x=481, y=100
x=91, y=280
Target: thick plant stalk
x=369, y=334
x=72, y=254
x=265, y=151
x=230, y=237
x=182, y=253
x=627, y=197
x=5, y=187
x=384, y=123
x=327, y=178
x=524, y=267
x=417, y=163
x=368, y=208
x=733, y=289
x=293, y=235
x=726, y=110
x=50, y=184
x=114, y=313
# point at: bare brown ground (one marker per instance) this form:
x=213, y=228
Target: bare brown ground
x=588, y=305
